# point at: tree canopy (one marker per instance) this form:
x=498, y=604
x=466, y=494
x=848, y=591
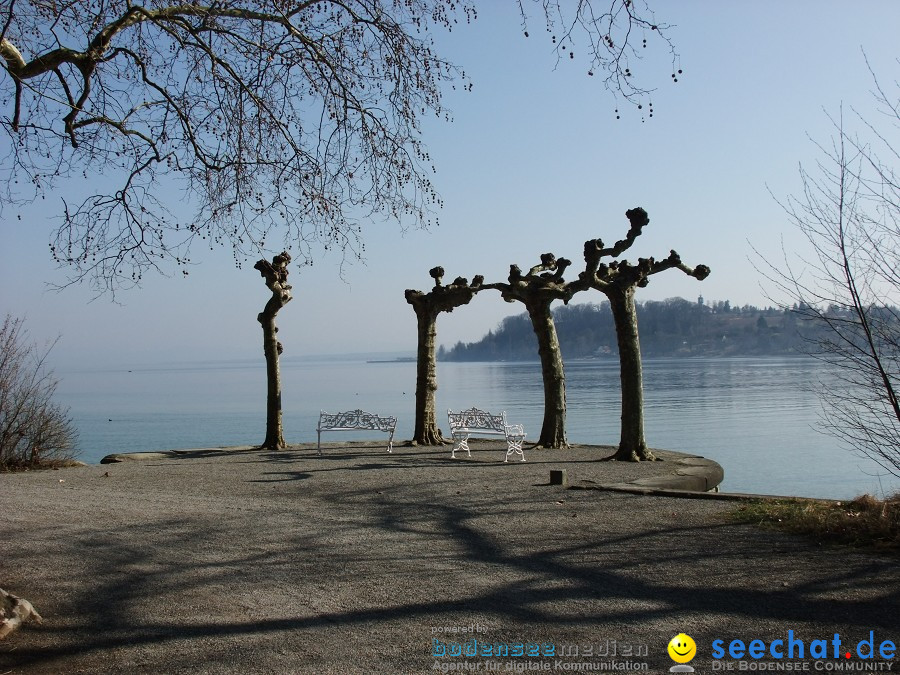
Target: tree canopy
x=275, y=122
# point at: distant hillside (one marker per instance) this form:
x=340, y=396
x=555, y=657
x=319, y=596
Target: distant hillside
x=673, y=327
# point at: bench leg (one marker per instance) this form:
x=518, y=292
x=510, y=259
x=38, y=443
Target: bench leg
x=319, y=443
x=460, y=443
x=515, y=447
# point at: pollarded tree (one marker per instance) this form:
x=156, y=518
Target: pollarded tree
x=537, y=290
x=285, y=120
x=275, y=273
x=427, y=307
x=618, y=280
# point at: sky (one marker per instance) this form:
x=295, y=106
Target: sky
x=534, y=161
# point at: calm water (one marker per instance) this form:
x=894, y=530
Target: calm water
x=755, y=416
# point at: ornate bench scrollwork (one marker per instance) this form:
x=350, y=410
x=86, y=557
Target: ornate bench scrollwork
x=475, y=421
x=356, y=420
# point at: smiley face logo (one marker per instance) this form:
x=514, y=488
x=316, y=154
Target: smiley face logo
x=682, y=648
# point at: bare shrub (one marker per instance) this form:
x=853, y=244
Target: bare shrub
x=847, y=289
x=34, y=430
x=864, y=522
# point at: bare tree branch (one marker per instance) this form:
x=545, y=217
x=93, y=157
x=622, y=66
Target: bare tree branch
x=849, y=287
x=612, y=32
x=298, y=121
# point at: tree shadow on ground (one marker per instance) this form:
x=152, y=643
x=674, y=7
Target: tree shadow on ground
x=356, y=558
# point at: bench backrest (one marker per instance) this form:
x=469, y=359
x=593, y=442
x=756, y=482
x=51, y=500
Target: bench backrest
x=475, y=418
x=356, y=419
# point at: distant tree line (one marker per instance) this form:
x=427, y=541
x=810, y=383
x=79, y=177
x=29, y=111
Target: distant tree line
x=673, y=327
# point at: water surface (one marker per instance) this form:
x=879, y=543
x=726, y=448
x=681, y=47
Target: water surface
x=757, y=417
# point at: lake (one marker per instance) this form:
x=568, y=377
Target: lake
x=757, y=417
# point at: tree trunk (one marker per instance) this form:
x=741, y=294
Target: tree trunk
x=632, y=446
x=275, y=274
x=272, y=348
x=426, y=428
x=553, y=431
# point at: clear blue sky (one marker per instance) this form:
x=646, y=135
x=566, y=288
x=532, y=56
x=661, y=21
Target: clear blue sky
x=535, y=161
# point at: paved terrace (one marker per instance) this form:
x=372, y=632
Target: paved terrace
x=248, y=561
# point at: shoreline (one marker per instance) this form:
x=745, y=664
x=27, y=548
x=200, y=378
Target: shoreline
x=734, y=414
x=674, y=472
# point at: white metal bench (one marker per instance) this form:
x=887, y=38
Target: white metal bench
x=355, y=420
x=475, y=421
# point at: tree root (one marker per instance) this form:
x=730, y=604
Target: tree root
x=624, y=455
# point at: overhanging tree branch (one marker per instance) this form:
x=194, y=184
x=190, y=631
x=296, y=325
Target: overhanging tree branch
x=294, y=120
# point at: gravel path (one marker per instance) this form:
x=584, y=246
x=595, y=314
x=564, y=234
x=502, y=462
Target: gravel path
x=260, y=562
